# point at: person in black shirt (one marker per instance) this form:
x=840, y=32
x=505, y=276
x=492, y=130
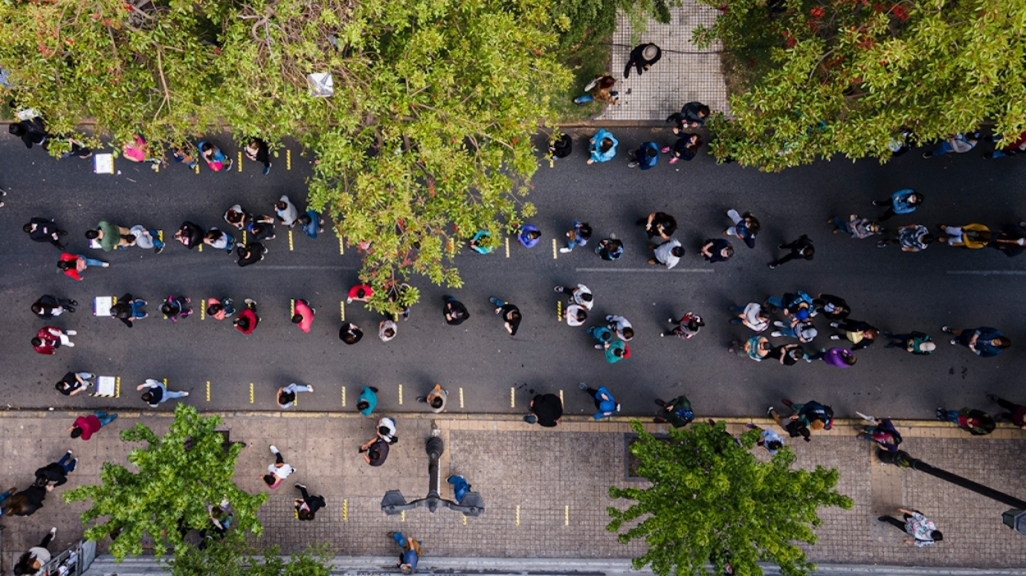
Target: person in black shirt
x=800, y=248
x=26, y=502
x=455, y=311
x=49, y=306
x=32, y=131
x=510, y=314
x=643, y=56
x=258, y=151
x=44, y=230
x=546, y=410
x=128, y=309
x=190, y=235
x=56, y=473
x=251, y=253
x=307, y=506
x=350, y=333
x=74, y=382
x=375, y=451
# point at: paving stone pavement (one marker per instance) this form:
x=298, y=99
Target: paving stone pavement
x=545, y=491
x=684, y=72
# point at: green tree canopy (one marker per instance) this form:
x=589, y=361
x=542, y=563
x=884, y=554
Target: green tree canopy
x=822, y=77
x=232, y=556
x=712, y=501
x=171, y=490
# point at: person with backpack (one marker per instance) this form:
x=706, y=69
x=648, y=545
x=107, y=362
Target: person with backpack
x=175, y=307
x=746, y=227
x=812, y=414
x=676, y=412
x=794, y=428
x=883, y=433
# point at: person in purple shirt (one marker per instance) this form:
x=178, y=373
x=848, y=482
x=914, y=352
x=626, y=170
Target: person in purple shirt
x=839, y=357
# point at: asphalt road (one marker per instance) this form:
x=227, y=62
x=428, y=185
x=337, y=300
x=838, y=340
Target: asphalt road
x=484, y=369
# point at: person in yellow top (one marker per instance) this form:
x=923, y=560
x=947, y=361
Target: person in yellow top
x=971, y=236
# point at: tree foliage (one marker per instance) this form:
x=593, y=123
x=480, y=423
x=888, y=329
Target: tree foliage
x=846, y=76
x=232, y=556
x=169, y=493
x=712, y=501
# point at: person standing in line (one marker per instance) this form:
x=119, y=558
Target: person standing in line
x=832, y=307
x=545, y=410
x=985, y=342
x=642, y=57
x=645, y=156
x=359, y=293
x=258, y=151
x=303, y=316
x=74, y=382
x=56, y=473
x=176, y=307
x=410, y=554
x=31, y=130
x=800, y=248
x=375, y=451
x=435, y=398
x=350, y=333
x=454, y=310
x=610, y=248
x=248, y=319
x=904, y=201
x=219, y=240
x=1015, y=413
x=278, y=471
x=24, y=503
x=837, y=357
x=604, y=401
x=858, y=228
x=220, y=309
x=561, y=145
x=189, y=235
x=147, y=238
x=659, y=224
x=110, y=236
x=576, y=236
x=692, y=115
x=367, y=401
x=685, y=148
x=602, y=146
x=686, y=328
x=580, y=295
x=261, y=227
x=85, y=426
x=128, y=309
x=387, y=430
x=214, y=157
x=73, y=264
x=287, y=212
x=746, y=227
x=716, y=250
x=975, y=422
x=913, y=342
x=624, y=330
x=311, y=223
x=49, y=338
x=528, y=235
x=238, y=217
x=883, y=433
x=387, y=330
x=307, y=506
x=922, y=530
x=45, y=230
x=812, y=414
x=575, y=315
x=251, y=253
x=32, y=562
x=667, y=254
x=510, y=314
x=286, y=395
x=157, y=393
x=861, y=334
x=676, y=412
x=48, y=306
x=751, y=315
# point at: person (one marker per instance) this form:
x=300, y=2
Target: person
x=798, y=304
x=528, y=235
x=184, y=155
x=576, y=236
x=1011, y=241
x=659, y=224
x=913, y=342
x=716, y=250
x=642, y=57
x=812, y=414
x=545, y=409
x=646, y=156
x=410, y=554
x=367, y=401
x=746, y=227
x=510, y=314
x=667, y=254
x=575, y=315
x=45, y=230
x=74, y=382
x=32, y=131
x=861, y=334
x=350, y=333
x=258, y=151
x=147, y=238
x=261, y=227
x=32, y=562
x=251, y=253
x=561, y=145
x=800, y=248
x=755, y=347
x=623, y=328
x=374, y=451
x=435, y=398
x=803, y=330
x=794, y=428
x=73, y=264
x=219, y=240
x=599, y=90
x=883, y=433
x=221, y=519
x=751, y=315
x=833, y=307
x=24, y=503
x=189, y=235
x=460, y=487
x=359, y=293
x=602, y=146
x=610, y=248
x=580, y=295
x=676, y=412
x=972, y=236
x=923, y=531
x=278, y=471
x=214, y=157
x=237, y=217
x=128, y=309
x=387, y=430
x=175, y=307
x=768, y=440
x=482, y=243
x=157, y=393
x=85, y=426
x=387, y=329
x=1015, y=413
x=789, y=354
x=47, y=306
x=904, y=201
x=56, y=473
x=248, y=319
x=959, y=143
x=307, y=506
x=303, y=316
x=685, y=148
x=136, y=149
x=691, y=115
x=602, y=335
x=311, y=223
x=287, y=212
x=286, y=396
x=110, y=236
x=454, y=310
x=220, y=309
x=49, y=338
x=837, y=357
x=858, y=228
x=975, y=422
x=616, y=350
x=686, y=328
x=985, y=342
x=911, y=238
x=604, y=401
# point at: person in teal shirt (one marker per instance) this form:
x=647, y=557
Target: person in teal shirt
x=616, y=351
x=367, y=401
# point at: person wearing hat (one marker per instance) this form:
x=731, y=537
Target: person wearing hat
x=677, y=412
x=546, y=410
x=643, y=56
x=604, y=401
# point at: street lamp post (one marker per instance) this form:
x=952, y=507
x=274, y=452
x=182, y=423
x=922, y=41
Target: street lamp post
x=394, y=502
x=1014, y=518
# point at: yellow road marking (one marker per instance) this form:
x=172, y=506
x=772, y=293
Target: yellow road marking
x=342, y=309
x=566, y=515
x=560, y=395
x=292, y=308
x=400, y=394
x=402, y=517
x=341, y=244
x=203, y=308
x=208, y=390
x=243, y=237
x=290, y=240
x=250, y=392
x=345, y=510
x=559, y=310
x=343, y=396
x=197, y=167
x=512, y=397
x=518, y=514
x=117, y=387
x=507, y=247
x=288, y=159
x=461, y=397
x=200, y=247
x=555, y=252
x=240, y=161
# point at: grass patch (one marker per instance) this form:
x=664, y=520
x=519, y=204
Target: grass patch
x=587, y=60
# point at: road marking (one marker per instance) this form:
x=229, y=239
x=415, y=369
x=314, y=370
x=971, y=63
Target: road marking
x=208, y=390
x=243, y=237
x=560, y=395
x=652, y=269
x=288, y=159
x=160, y=235
x=507, y=247
x=341, y=244
x=250, y=392
x=156, y=168
x=512, y=397
x=290, y=241
x=197, y=167
x=461, y=397
x=200, y=248
x=203, y=308
x=343, y=396
x=518, y=514
x=292, y=308
x=554, y=251
x=117, y=387
x=342, y=309
x=464, y=519
x=400, y=394
x=240, y=161
x=566, y=515
x=345, y=510
x=987, y=272
x=559, y=310
x=402, y=517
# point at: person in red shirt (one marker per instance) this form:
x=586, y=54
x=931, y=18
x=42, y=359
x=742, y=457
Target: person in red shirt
x=303, y=316
x=85, y=426
x=248, y=319
x=72, y=264
x=360, y=293
x=50, y=338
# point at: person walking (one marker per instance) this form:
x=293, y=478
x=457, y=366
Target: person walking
x=307, y=506
x=24, y=503
x=220, y=309
x=602, y=147
x=973, y=421
x=545, y=410
x=375, y=451
x=359, y=293
x=510, y=314
x=56, y=473
x=686, y=328
x=175, y=307
x=410, y=554
x=692, y=115
x=45, y=230
x=800, y=248
x=367, y=401
x=623, y=328
x=286, y=396
x=578, y=235
x=278, y=471
x=454, y=310
x=685, y=148
x=435, y=398
x=387, y=329
x=387, y=430
x=248, y=319
x=642, y=57
x=911, y=238
x=971, y=236
x=861, y=334
x=85, y=426
x=676, y=412
x=659, y=224
x=604, y=401
x=157, y=393
x=716, y=250
x=667, y=254
x=219, y=240
x=904, y=201
x=857, y=228
x=1015, y=413
x=746, y=227
x=48, y=307
x=580, y=295
x=287, y=212
x=883, y=433
x=913, y=342
x=303, y=316
x=751, y=315
x=789, y=354
x=837, y=357
x=251, y=253
x=73, y=264
x=128, y=309
x=645, y=156
x=49, y=338
x=258, y=151
x=610, y=248
x=74, y=382
x=985, y=342
x=350, y=333
x=32, y=562
x=189, y=235
x=922, y=530
x=110, y=236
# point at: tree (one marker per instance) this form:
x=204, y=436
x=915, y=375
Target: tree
x=178, y=475
x=232, y=556
x=712, y=501
x=825, y=77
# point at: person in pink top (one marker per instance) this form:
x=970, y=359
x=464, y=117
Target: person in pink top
x=838, y=357
x=303, y=316
x=85, y=426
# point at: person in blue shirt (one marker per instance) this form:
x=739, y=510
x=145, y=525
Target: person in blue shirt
x=529, y=235
x=411, y=552
x=903, y=201
x=602, y=146
x=311, y=223
x=985, y=342
x=367, y=401
x=646, y=156
x=604, y=401
x=460, y=487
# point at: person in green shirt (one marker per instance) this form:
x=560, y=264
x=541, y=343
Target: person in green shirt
x=676, y=412
x=110, y=236
x=914, y=342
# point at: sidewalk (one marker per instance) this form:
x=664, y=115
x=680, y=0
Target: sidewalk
x=544, y=491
